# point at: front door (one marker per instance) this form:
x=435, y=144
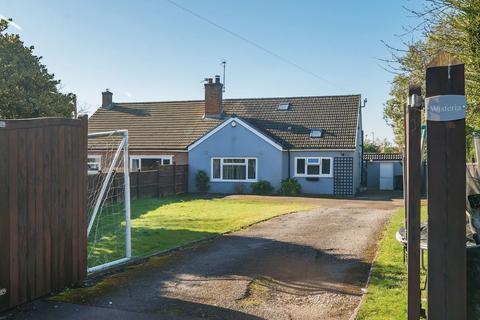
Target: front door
x=386, y=176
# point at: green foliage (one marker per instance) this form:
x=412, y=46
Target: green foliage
x=451, y=26
x=387, y=292
x=290, y=187
x=27, y=90
x=411, y=70
x=202, y=181
x=239, y=188
x=379, y=146
x=371, y=147
x=165, y=223
x=262, y=187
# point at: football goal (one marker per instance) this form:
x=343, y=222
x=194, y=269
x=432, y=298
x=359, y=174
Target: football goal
x=109, y=226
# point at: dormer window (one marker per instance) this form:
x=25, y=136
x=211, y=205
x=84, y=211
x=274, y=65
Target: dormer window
x=284, y=106
x=316, y=133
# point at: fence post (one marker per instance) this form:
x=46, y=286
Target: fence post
x=174, y=178
x=413, y=128
x=137, y=184
x=445, y=115
x=158, y=180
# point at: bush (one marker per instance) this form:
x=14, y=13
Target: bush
x=262, y=187
x=240, y=188
x=290, y=187
x=201, y=181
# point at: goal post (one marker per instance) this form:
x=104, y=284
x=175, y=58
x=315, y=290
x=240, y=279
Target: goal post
x=109, y=213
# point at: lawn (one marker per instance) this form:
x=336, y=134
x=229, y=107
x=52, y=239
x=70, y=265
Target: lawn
x=165, y=223
x=387, y=292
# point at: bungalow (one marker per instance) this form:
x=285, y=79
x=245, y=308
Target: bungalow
x=237, y=142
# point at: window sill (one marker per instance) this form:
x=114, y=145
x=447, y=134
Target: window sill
x=312, y=176
x=221, y=180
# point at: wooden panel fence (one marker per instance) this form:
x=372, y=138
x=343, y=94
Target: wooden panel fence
x=165, y=181
x=43, y=244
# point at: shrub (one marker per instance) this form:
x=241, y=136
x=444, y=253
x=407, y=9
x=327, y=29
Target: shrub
x=239, y=188
x=262, y=187
x=202, y=180
x=290, y=187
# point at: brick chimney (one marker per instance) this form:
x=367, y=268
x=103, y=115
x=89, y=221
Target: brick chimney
x=213, y=97
x=107, y=102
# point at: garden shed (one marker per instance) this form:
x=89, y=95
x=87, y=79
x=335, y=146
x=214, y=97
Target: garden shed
x=383, y=171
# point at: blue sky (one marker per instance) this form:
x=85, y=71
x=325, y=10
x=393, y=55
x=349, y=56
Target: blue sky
x=152, y=50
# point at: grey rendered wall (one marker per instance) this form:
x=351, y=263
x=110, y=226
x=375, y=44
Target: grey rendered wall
x=236, y=142
x=323, y=185
x=373, y=175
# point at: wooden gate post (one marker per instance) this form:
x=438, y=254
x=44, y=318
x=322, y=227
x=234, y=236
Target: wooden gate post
x=445, y=115
x=413, y=123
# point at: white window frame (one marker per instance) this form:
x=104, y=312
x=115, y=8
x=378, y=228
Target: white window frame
x=320, y=175
x=98, y=160
x=159, y=157
x=233, y=180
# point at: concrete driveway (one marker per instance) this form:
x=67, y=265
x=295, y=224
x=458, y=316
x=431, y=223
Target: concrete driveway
x=305, y=265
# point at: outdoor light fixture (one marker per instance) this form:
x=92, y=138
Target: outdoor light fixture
x=416, y=101
x=234, y=124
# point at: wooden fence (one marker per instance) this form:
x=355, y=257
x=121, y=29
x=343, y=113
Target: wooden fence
x=166, y=181
x=43, y=244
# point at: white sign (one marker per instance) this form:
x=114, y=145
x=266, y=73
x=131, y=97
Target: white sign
x=445, y=107
x=2, y=124
x=3, y=291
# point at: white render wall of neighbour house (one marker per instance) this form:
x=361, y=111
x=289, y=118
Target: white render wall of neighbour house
x=322, y=184
x=236, y=142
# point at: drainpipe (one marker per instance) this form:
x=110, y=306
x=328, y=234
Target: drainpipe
x=362, y=179
x=288, y=152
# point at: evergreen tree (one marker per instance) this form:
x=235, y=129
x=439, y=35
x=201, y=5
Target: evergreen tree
x=27, y=90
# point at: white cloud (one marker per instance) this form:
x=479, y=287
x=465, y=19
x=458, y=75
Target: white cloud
x=13, y=24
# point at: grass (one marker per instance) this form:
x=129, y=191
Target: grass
x=165, y=223
x=387, y=292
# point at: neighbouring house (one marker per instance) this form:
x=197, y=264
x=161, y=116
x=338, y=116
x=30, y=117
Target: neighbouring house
x=384, y=171
x=316, y=140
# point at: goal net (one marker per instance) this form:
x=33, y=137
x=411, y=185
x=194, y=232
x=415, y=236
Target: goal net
x=109, y=229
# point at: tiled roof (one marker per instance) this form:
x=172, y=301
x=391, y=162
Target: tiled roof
x=175, y=125
x=382, y=156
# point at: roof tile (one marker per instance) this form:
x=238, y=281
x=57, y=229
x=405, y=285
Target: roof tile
x=177, y=124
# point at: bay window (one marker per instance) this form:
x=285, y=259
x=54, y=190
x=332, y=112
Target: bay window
x=234, y=169
x=314, y=167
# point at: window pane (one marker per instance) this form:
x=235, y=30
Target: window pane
x=151, y=164
x=326, y=166
x=166, y=161
x=252, y=163
x=93, y=164
x=313, y=160
x=135, y=164
x=234, y=172
x=233, y=160
x=216, y=169
x=313, y=169
x=300, y=166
